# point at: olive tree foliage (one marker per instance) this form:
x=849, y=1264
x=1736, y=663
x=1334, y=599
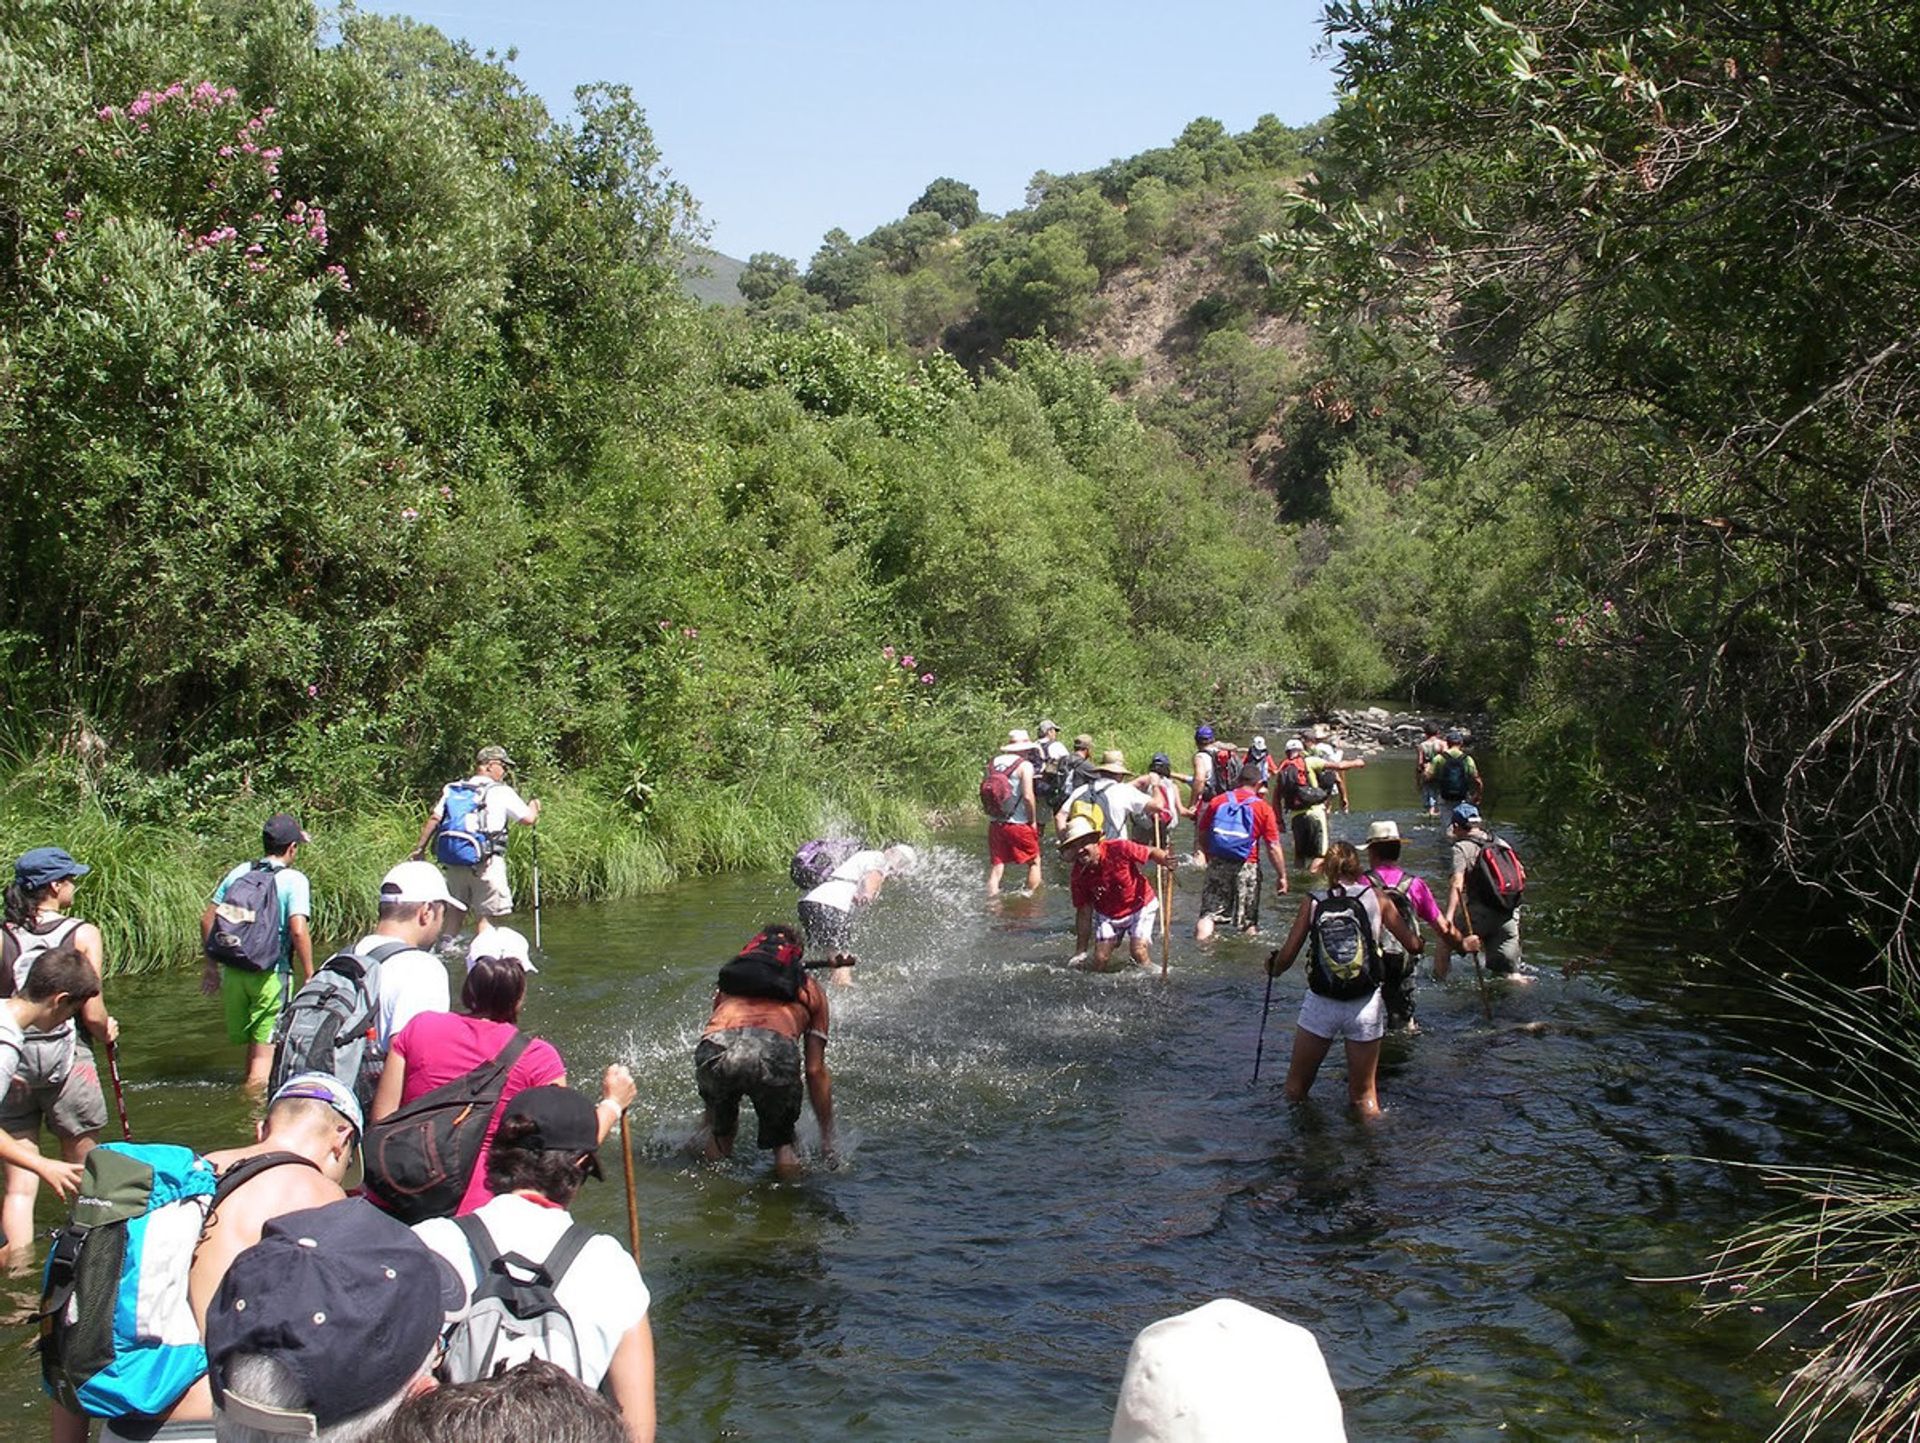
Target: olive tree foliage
x=1679, y=246
x=954, y=201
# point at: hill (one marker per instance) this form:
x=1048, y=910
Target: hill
x=711, y=278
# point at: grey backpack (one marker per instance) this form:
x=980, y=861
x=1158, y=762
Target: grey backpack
x=327, y=1026
x=514, y=1314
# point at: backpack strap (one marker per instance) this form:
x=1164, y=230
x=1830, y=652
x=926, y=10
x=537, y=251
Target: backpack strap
x=249, y=1168
x=479, y=1243
x=562, y=1254
x=385, y=950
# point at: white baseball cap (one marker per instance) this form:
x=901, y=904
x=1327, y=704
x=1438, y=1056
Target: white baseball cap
x=417, y=882
x=500, y=942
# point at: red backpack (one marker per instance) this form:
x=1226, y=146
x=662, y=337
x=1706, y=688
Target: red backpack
x=1499, y=875
x=999, y=793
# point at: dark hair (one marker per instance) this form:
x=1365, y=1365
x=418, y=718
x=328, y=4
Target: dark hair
x=1387, y=850
x=401, y=911
x=782, y=932
x=1250, y=775
x=61, y=969
x=494, y=989
x=554, y=1173
x=23, y=905
x=537, y=1399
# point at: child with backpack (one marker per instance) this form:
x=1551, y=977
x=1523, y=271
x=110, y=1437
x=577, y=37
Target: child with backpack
x=1344, y=924
x=252, y=932
x=539, y=1284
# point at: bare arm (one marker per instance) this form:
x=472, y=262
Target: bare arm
x=393, y=1079
x=1278, y=857
x=62, y=1177
x=94, y=1016
x=209, y=974
x=630, y=1381
x=617, y=1093
x=426, y=831
x=820, y=1088
x=302, y=940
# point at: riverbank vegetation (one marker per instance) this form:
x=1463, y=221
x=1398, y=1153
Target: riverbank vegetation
x=351, y=416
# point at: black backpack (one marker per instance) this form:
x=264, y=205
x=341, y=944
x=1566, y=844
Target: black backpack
x=1450, y=777
x=327, y=1025
x=515, y=1313
x=1346, y=959
x=246, y=922
x=421, y=1157
x=759, y=972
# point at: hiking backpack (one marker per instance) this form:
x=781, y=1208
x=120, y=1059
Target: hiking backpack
x=1499, y=877
x=458, y=840
x=117, y=1332
x=1403, y=899
x=1093, y=807
x=246, y=922
x=1000, y=794
x=754, y=974
x=330, y=1021
x=1450, y=776
x=1297, y=790
x=515, y=1314
x=21, y=947
x=1346, y=958
x=814, y=862
x=1230, y=834
x=1055, y=780
x=1224, y=773
x=421, y=1158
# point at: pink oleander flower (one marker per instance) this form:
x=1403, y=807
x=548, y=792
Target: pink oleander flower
x=106, y=112
x=226, y=152
x=407, y=513
x=926, y=678
x=662, y=625
x=59, y=236
x=312, y=690
x=73, y=213
x=691, y=633
x=907, y=663
x=887, y=652
x=446, y=493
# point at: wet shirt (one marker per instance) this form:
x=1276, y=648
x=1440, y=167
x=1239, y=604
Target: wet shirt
x=805, y=1016
x=1112, y=885
x=842, y=887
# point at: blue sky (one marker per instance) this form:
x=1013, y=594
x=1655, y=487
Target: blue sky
x=786, y=120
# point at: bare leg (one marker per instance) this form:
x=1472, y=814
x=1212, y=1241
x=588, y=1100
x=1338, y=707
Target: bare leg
x=69, y=1427
x=993, y=878
x=786, y=1163
x=1203, y=927
x=1033, y=875
x=1363, y=1064
x=16, y=1212
x=1309, y=1052
x=711, y=1144
x=259, y=1066
x=1142, y=950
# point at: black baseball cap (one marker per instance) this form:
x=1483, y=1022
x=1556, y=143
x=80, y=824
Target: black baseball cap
x=281, y=831
x=563, y=1121
x=345, y=1298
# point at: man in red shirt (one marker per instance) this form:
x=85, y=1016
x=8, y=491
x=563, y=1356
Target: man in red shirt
x=1107, y=881
x=1231, y=829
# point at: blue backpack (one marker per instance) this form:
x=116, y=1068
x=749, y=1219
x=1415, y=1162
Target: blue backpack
x=117, y=1333
x=1232, y=830
x=458, y=840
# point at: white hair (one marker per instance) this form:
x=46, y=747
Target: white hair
x=264, y=1380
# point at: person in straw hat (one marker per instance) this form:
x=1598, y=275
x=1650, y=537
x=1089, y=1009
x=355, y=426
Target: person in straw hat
x=1110, y=802
x=1110, y=885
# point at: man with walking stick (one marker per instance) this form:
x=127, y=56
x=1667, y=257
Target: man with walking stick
x=467, y=830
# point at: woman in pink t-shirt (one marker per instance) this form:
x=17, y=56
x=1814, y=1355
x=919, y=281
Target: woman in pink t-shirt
x=437, y=1047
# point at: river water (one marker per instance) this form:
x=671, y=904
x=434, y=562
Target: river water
x=1038, y=1162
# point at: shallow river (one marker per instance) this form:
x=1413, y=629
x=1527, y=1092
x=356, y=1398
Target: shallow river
x=1039, y=1162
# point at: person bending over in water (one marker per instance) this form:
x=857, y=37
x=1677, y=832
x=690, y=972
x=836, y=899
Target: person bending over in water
x=1110, y=891
x=767, y=1011
x=1344, y=972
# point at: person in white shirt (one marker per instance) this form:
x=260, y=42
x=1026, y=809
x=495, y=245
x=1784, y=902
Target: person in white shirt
x=827, y=912
x=467, y=829
x=413, y=910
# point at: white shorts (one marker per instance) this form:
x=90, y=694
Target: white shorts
x=1362, y=1020
x=483, y=889
x=1140, y=924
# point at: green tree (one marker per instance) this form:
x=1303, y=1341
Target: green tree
x=955, y=202
x=765, y=274
x=1043, y=282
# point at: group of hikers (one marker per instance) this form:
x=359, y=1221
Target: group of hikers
x=1364, y=929
x=407, y=1190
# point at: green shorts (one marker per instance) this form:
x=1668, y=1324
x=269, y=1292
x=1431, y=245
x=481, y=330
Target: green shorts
x=252, y=1003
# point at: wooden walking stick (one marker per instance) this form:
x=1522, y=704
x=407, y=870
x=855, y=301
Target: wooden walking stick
x=633, y=1203
x=1166, y=904
x=119, y=1096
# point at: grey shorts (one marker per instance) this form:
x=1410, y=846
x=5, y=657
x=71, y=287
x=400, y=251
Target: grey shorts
x=1499, y=938
x=759, y=1065
x=827, y=928
x=73, y=1107
x=1231, y=893
x=483, y=889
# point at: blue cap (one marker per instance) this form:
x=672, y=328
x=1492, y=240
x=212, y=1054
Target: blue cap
x=1203, y=733
x=1161, y=763
x=1465, y=815
x=44, y=866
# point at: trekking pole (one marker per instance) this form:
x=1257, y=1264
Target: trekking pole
x=633, y=1203
x=119, y=1096
x=1261, y=1045
x=536, y=899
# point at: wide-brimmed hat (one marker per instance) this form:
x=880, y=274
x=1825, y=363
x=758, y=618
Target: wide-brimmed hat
x=1387, y=831
x=1079, y=829
x=1321, y=731
x=1018, y=737
x=1113, y=762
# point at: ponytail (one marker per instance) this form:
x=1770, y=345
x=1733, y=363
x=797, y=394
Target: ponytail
x=22, y=906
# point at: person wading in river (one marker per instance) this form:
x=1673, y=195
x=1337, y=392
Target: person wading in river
x=1013, y=819
x=1117, y=899
x=1232, y=829
x=766, y=1011
x=1467, y=899
x=251, y=987
x=467, y=829
x=1345, y=924
x=1416, y=903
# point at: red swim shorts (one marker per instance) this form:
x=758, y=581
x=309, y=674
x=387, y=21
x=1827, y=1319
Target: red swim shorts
x=1016, y=842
